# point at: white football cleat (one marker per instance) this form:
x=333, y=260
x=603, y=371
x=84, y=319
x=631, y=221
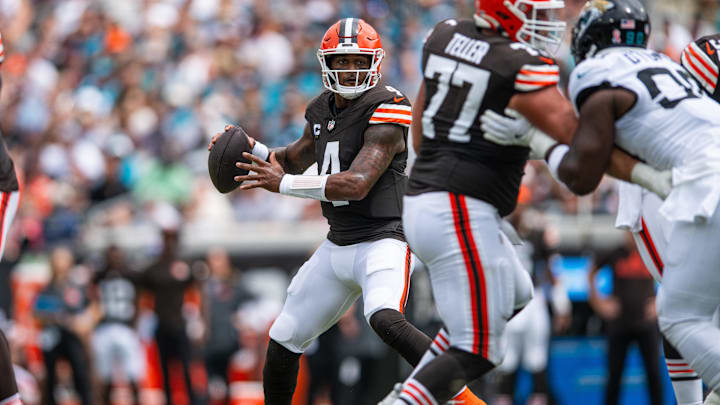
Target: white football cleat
x=393, y=395
x=712, y=399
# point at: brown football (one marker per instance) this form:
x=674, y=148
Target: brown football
x=228, y=150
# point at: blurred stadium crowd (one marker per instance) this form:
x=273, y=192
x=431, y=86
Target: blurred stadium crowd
x=107, y=107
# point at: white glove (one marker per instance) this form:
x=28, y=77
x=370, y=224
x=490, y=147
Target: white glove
x=659, y=183
x=511, y=130
x=515, y=130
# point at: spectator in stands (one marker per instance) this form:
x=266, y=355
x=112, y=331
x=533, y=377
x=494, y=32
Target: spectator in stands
x=111, y=185
x=630, y=316
x=62, y=308
x=706, y=18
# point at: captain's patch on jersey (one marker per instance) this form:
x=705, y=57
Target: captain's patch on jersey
x=535, y=77
x=392, y=114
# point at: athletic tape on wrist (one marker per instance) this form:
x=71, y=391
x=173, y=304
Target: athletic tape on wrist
x=304, y=186
x=260, y=150
x=555, y=158
x=540, y=142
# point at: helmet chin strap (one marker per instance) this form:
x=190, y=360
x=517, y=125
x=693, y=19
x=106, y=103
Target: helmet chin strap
x=348, y=92
x=353, y=92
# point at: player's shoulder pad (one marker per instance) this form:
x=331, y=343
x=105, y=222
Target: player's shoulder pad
x=442, y=30
x=319, y=99
x=532, y=69
x=700, y=58
x=448, y=24
x=315, y=106
x=390, y=106
x=590, y=74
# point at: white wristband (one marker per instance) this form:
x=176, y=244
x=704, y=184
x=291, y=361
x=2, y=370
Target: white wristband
x=260, y=150
x=555, y=158
x=304, y=186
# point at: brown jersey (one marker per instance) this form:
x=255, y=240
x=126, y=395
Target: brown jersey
x=466, y=72
x=339, y=136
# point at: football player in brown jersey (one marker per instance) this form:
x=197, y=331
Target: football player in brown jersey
x=462, y=184
x=610, y=36
x=700, y=59
x=356, y=132
x=10, y=195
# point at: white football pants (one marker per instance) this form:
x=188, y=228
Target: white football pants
x=332, y=280
x=690, y=295
x=477, y=279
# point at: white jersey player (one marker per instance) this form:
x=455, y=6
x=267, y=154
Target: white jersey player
x=651, y=107
x=638, y=212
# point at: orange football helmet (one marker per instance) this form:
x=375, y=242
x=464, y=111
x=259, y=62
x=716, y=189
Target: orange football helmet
x=351, y=36
x=531, y=22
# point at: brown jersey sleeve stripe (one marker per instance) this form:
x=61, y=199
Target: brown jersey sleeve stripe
x=533, y=72
x=537, y=83
x=393, y=111
x=703, y=59
x=689, y=62
x=399, y=121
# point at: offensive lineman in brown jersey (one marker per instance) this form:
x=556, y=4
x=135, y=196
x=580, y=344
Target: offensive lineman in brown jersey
x=9, y=189
x=356, y=131
x=462, y=184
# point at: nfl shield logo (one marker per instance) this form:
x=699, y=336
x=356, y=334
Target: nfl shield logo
x=331, y=125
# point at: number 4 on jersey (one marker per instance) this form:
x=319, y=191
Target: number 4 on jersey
x=331, y=161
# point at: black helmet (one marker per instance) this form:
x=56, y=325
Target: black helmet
x=608, y=23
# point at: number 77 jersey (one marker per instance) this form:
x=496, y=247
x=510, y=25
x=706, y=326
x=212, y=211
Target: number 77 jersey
x=465, y=73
